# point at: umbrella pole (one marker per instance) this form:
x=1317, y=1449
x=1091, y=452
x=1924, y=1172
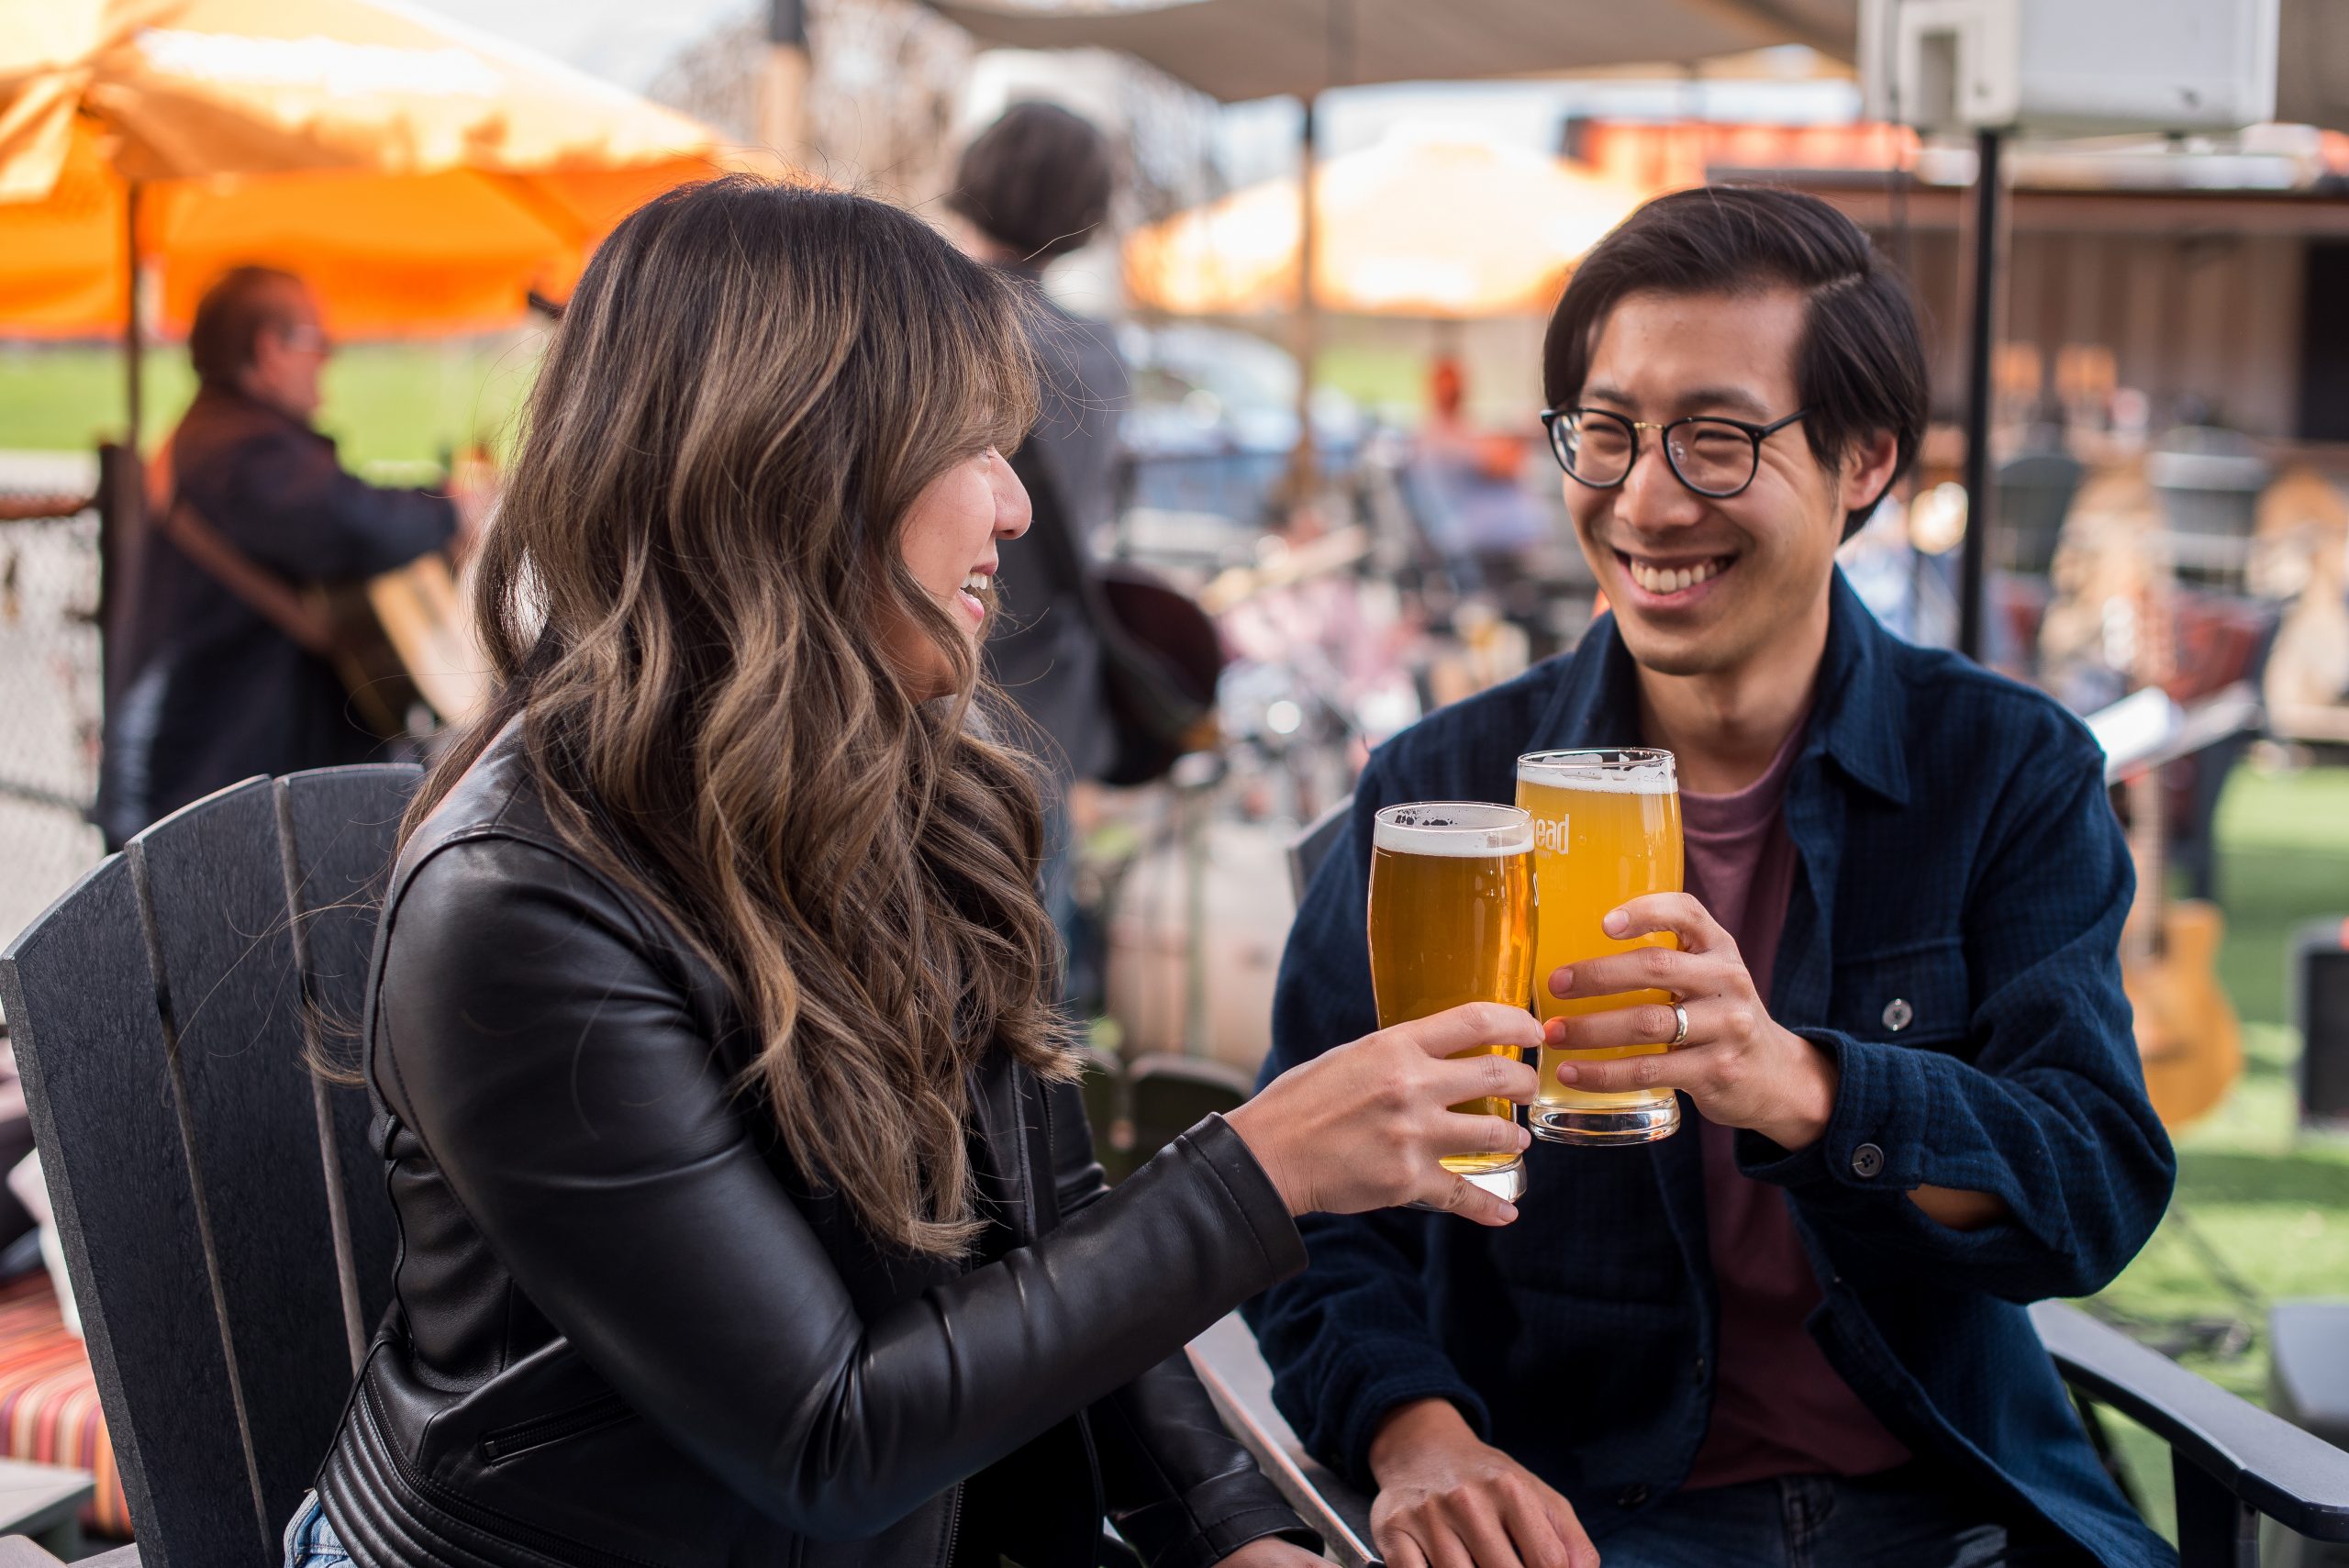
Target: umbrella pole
x=1304, y=461
x=133, y=349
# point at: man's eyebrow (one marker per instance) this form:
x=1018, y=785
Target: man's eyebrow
x=1696, y=399
x=1709, y=397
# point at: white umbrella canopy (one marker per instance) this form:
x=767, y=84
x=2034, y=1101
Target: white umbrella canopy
x=1421, y=225
x=1238, y=49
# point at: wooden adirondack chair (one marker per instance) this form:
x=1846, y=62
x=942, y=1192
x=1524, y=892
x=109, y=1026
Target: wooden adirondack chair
x=222, y=1207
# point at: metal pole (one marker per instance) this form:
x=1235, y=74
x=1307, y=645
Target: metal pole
x=1980, y=494
x=783, y=85
x=1305, y=475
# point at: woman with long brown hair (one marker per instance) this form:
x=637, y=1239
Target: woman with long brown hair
x=748, y=1212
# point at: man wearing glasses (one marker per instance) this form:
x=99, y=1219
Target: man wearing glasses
x=1795, y=1333
x=214, y=690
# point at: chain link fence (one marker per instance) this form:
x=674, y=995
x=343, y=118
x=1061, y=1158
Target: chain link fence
x=49, y=693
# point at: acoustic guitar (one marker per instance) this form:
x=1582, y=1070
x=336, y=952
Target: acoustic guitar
x=2187, y=1035
x=396, y=640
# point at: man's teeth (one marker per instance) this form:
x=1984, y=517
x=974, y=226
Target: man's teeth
x=1671, y=579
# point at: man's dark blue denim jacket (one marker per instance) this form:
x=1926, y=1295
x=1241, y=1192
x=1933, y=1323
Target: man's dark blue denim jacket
x=1959, y=856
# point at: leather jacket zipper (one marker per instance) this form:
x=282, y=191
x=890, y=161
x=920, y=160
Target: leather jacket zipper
x=954, y=1526
x=504, y=1443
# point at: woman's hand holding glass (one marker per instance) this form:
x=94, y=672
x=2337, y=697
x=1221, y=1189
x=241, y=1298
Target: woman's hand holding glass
x=1364, y=1126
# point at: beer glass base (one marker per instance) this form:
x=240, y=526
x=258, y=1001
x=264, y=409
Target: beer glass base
x=1505, y=1183
x=1612, y=1124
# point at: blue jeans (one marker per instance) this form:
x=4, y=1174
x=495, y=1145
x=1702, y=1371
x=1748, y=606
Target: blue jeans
x=1899, y=1519
x=310, y=1540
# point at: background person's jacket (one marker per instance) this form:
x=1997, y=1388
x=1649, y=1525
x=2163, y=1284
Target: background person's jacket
x=627, y=1331
x=211, y=692
x=1045, y=651
x=1958, y=858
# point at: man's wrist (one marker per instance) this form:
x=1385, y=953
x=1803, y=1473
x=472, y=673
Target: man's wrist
x=1413, y=1428
x=1811, y=1100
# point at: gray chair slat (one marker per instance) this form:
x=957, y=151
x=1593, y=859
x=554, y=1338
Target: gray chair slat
x=222, y=938
x=1166, y=1095
x=1312, y=846
x=340, y=826
x=81, y=1002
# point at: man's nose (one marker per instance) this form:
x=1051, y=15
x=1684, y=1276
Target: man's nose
x=1651, y=495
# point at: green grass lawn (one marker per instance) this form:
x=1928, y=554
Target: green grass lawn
x=400, y=403
x=2271, y=1202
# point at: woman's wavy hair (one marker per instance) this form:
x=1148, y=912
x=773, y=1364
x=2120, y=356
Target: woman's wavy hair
x=683, y=595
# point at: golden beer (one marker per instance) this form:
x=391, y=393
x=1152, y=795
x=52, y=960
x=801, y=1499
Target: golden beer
x=1606, y=831
x=1450, y=921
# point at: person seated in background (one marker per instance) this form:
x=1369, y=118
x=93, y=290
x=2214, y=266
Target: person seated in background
x=1794, y=1333
x=213, y=689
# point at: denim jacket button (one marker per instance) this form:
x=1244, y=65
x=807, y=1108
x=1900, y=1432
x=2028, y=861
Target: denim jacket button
x=1866, y=1160
x=1898, y=1014
x=1633, y=1497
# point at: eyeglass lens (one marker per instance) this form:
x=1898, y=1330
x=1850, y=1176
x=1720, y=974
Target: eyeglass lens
x=1709, y=455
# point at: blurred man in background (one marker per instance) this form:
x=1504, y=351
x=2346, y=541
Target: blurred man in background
x=248, y=509
x=1033, y=186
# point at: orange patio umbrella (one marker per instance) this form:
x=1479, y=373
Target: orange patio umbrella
x=1416, y=226
x=422, y=177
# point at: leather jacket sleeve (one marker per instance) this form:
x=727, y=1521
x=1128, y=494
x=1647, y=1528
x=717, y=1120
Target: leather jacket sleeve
x=543, y=1048
x=1180, y=1489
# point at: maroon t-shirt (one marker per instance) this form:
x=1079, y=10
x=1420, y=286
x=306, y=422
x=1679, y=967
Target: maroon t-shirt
x=1779, y=1407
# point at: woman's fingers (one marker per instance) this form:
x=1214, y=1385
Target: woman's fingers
x=1465, y=1027
x=1465, y=1133
x=1456, y=1193
x=1483, y=1077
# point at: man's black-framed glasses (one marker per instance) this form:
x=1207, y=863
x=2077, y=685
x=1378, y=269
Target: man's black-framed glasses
x=1712, y=455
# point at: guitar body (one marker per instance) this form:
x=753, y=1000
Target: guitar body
x=2187, y=1035
x=405, y=638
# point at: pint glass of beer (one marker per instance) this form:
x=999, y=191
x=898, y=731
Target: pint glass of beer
x=1450, y=921
x=1606, y=829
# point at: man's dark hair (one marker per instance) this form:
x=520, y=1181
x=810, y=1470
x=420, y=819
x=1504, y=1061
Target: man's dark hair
x=1860, y=367
x=235, y=311
x=1037, y=181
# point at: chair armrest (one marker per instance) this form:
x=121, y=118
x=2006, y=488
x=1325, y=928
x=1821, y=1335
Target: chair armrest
x=2293, y=1477
x=19, y=1551
x=1237, y=1379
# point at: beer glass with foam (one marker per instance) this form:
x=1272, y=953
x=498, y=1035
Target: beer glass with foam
x=1450, y=921
x=1606, y=829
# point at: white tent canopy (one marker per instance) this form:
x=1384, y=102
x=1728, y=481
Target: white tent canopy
x=1237, y=49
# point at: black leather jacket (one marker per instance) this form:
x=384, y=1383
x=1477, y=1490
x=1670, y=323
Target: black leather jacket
x=626, y=1331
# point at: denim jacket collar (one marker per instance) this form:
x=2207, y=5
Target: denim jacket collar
x=1855, y=718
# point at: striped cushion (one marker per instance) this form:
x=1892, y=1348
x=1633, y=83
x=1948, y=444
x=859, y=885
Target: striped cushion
x=48, y=1398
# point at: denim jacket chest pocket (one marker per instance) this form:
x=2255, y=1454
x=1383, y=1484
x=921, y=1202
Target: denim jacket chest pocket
x=1914, y=994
